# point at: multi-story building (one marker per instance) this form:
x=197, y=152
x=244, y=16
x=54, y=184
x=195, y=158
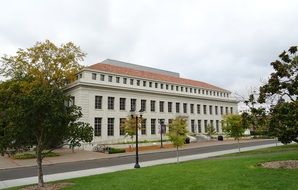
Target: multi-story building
x=107, y=91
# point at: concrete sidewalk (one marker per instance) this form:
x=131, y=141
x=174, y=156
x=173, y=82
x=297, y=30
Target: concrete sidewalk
x=66, y=155
x=88, y=172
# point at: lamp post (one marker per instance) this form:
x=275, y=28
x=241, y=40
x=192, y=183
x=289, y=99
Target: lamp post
x=161, y=124
x=137, y=165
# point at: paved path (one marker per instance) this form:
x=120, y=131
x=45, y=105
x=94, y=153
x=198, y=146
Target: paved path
x=27, y=175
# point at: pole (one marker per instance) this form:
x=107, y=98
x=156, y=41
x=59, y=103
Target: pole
x=137, y=165
x=161, y=145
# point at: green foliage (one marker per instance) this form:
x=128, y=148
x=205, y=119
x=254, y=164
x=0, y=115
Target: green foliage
x=130, y=126
x=116, y=150
x=282, y=90
x=26, y=155
x=210, y=130
x=234, y=126
x=177, y=131
x=45, y=62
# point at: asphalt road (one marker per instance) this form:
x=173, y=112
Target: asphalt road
x=15, y=173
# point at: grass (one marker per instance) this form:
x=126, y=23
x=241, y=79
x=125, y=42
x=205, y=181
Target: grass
x=31, y=155
x=235, y=171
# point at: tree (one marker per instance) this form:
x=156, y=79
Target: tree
x=45, y=62
x=177, y=133
x=234, y=126
x=281, y=91
x=210, y=130
x=130, y=126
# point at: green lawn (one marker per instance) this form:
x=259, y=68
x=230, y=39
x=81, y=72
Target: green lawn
x=235, y=171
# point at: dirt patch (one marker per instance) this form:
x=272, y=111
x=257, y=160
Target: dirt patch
x=288, y=164
x=54, y=186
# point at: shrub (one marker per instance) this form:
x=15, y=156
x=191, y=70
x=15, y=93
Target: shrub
x=115, y=150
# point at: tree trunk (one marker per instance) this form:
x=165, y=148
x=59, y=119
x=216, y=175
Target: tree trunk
x=177, y=151
x=39, y=166
x=238, y=146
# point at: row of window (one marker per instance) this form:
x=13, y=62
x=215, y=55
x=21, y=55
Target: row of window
x=150, y=84
x=133, y=104
x=195, y=128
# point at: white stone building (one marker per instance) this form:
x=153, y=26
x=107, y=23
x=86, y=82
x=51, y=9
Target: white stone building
x=108, y=90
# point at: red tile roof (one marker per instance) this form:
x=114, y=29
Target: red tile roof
x=151, y=75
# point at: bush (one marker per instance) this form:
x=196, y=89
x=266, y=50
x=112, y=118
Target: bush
x=115, y=150
x=31, y=155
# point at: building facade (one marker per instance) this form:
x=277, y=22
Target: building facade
x=107, y=92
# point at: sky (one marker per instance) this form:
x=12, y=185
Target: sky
x=226, y=43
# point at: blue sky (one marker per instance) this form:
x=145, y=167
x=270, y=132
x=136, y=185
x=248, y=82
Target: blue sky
x=226, y=43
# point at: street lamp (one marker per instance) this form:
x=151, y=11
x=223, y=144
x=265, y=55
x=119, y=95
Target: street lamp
x=137, y=165
x=162, y=127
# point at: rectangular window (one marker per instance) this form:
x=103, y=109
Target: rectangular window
x=177, y=88
x=138, y=82
x=190, y=90
x=181, y=88
x=167, y=87
x=177, y=107
x=205, y=125
x=191, y=108
x=161, y=106
x=195, y=90
x=198, y=108
x=156, y=85
x=199, y=91
x=121, y=127
x=111, y=126
x=217, y=125
x=150, y=84
x=133, y=104
x=98, y=102
x=143, y=105
x=205, y=109
x=192, y=123
x=216, y=110
x=210, y=110
x=71, y=101
x=221, y=110
x=110, y=78
x=97, y=126
x=170, y=107
x=184, y=107
x=94, y=76
x=186, y=89
x=117, y=79
x=152, y=105
x=231, y=110
x=153, y=126
x=144, y=83
x=111, y=103
x=102, y=77
x=227, y=110
x=124, y=80
x=161, y=86
x=122, y=103
x=131, y=81
x=199, y=126
x=172, y=87
x=212, y=123
x=143, y=127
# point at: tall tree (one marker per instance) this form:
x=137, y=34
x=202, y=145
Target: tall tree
x=177, y=133
x=282, y=91
x=130, y=126
x=234, y=127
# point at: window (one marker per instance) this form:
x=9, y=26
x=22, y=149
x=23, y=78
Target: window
x=111, y=126
x=143, y=127
x=110, y=78
x=131, y=81
x=177, y=88
x=161, y=86
x=199, y=91
x=122, y=103
x=211, y=123
x=156, y=85
x=122, y=129
x=167, y=87
x=216, y=110
x=195, y=90
x=117, y=79
x=181, y=88
x=172, y=87
x=205, y=125
x=205, y=109
x=144, y=83
x=170, y=107
x=97, y=126
x=138, y=82
x=184, y=107
x=231, y=110
x=190, y=90
x=152, y=105
x=133, y=104
x=191, y=108
x=111, y=103
x=150, y=84
x=153, y=126
x=98, y=102
x=192, y=124
x=210, y=110
x=199, y=126
x=124, y=80
x=143, y=105
x=198, y=108
x=161, y=106
x=186, y=89
x=102, y=77
x=221, y=110
x=227, y=110
x=94, y=76
x=203, y=91
x=177, y=107
x=71, y=101
x=217, y=125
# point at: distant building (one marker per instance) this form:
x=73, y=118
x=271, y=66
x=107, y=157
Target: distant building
x=107, y=91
